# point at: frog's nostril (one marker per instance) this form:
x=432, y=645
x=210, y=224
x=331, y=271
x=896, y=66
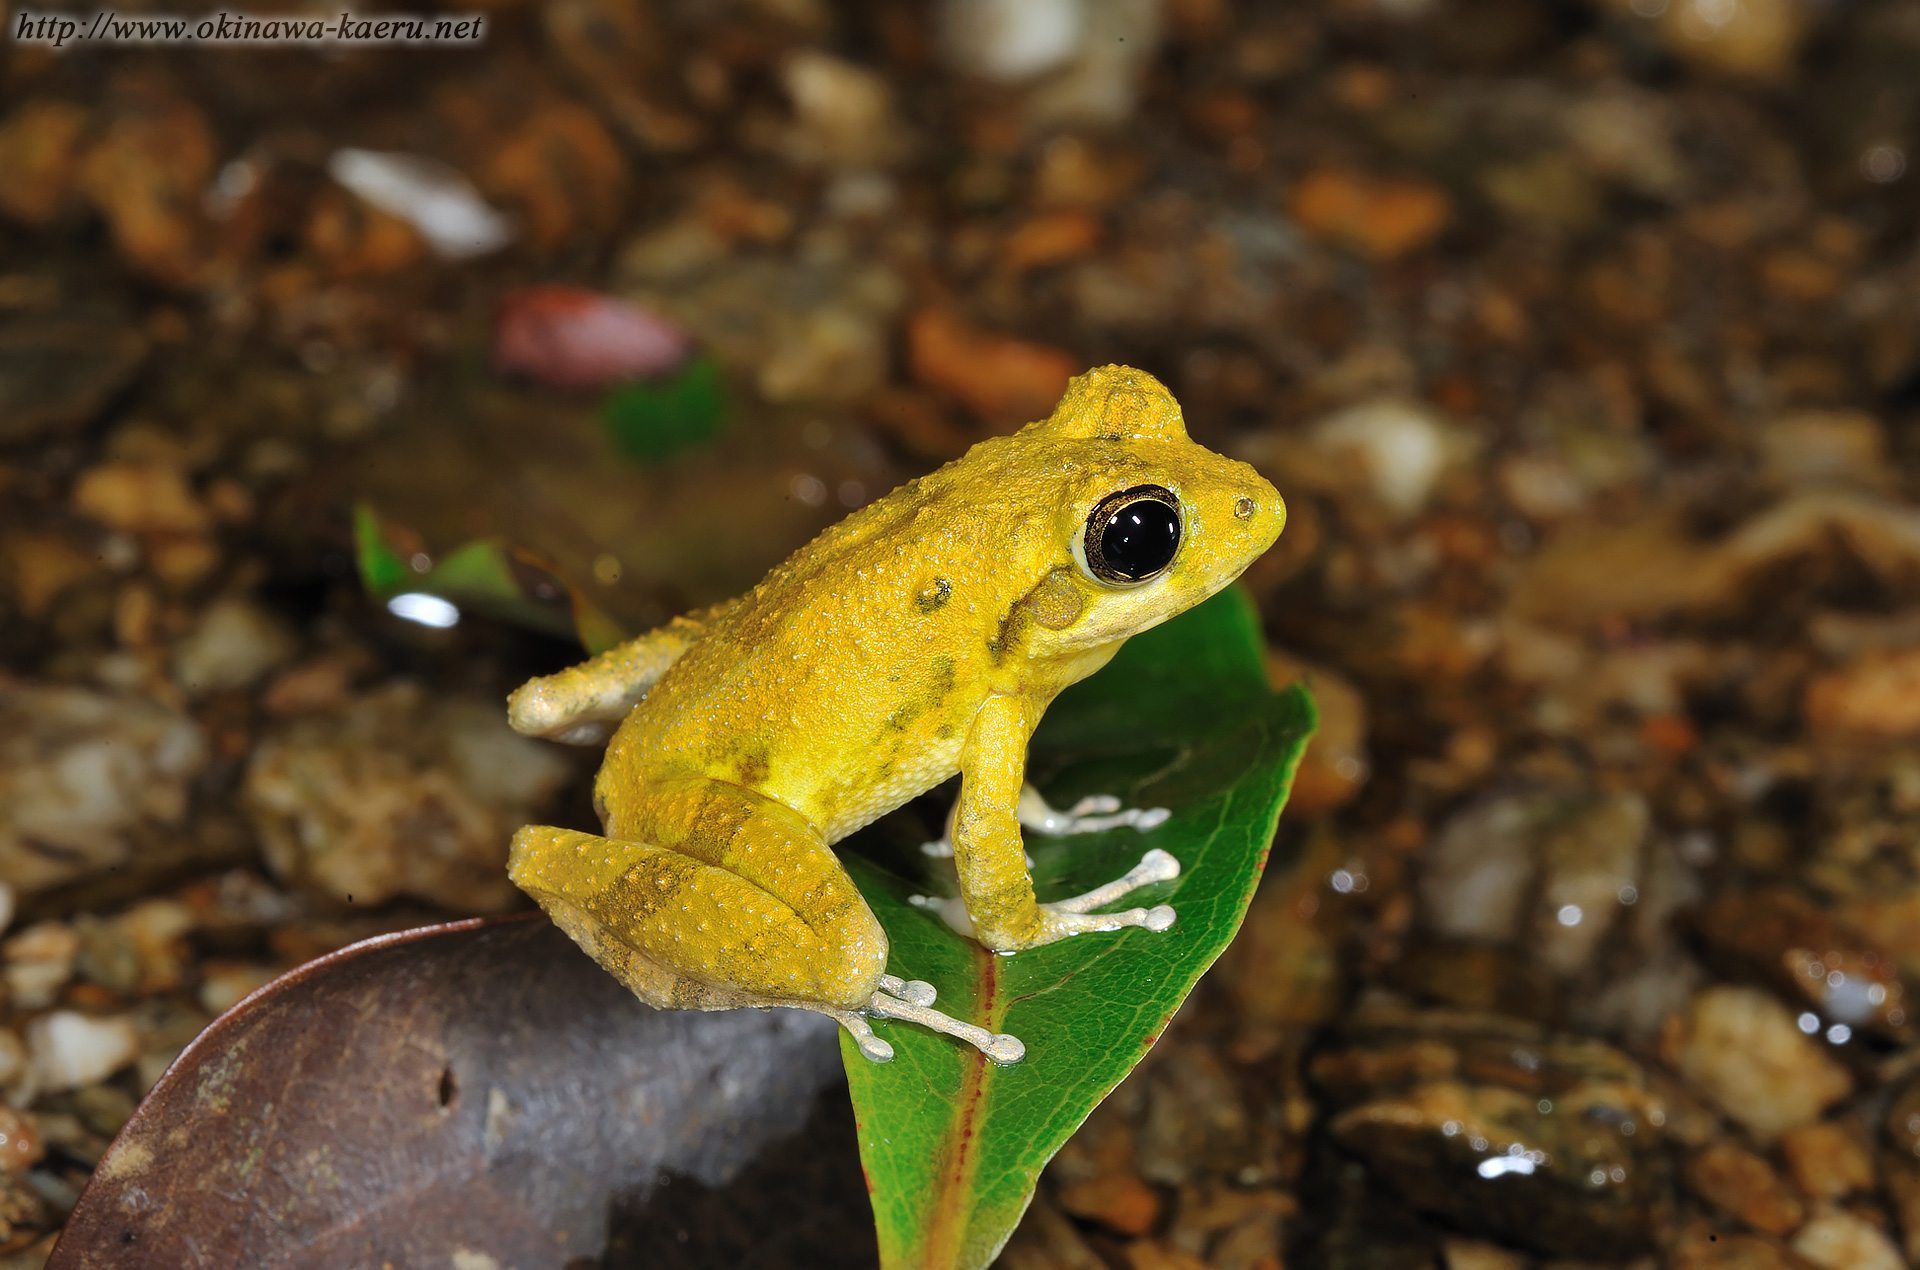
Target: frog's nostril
x=1243, y=507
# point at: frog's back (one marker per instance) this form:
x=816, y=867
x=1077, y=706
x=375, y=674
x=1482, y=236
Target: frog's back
x=843, y=684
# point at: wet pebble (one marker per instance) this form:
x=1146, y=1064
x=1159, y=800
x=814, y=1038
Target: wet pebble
x=1838, y=1240
x=399, y=795
x=1738, y=1182
x=224, y=984
x=1828, y=1160
x=69, y=1049
x=1748, y=1054
x=233, y=645
x=139, y=951
x=38, y=963
x=1781, y=938
x=21, y=1145
x=1505, y=1130
x=57, y=373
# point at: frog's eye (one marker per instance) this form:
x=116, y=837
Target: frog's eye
x=1133, y=534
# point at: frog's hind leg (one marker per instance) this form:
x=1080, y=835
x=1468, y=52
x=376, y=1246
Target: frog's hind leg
x=734, y=900
x=683, y=933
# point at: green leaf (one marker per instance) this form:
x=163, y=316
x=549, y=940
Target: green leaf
x=1182, y=718
x=489, y=576
x=651, y=422
x=382, y=572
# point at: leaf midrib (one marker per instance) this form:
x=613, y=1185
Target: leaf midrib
x=948, y=1229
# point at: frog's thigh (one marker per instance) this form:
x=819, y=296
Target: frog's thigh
x=687, y=934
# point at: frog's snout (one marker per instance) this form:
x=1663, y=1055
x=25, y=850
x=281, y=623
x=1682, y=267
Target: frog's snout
x=1258, y=511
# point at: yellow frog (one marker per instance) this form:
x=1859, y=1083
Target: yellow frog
x=923, y=635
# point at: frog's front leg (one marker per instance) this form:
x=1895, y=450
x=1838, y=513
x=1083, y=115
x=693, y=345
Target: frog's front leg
x=583, y=704
x=996, y=897
x=1095, y=813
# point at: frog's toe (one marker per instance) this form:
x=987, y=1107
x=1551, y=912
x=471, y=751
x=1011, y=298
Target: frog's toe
x=998, y=1046
x=871, y=1047
x=1155, y=866
x=912, y=991
x=1095, y=813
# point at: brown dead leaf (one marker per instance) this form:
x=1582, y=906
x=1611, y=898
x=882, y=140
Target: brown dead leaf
x=1000, y=380
x=478, y=1093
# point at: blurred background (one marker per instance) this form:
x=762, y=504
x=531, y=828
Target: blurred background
x=344, y=387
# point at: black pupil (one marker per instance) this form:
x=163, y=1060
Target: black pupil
x=1141, y=538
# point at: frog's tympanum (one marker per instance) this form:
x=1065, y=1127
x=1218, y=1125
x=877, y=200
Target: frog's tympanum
x=923, y=635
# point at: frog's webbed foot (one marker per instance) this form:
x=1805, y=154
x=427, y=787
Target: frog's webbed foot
x=1071, y=916
x=910, y=1000
x=1095, y=813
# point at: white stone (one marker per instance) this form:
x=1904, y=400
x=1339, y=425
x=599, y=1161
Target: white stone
x=1481, y=866
x=1011, y=40
x=79, y=768
x=1837, y=1240
x=39, y=961
x=434, y=198
x=233, y=645
x=844, y=112
x=1747, y=1054
x=70, y=1050
x=1400, y=446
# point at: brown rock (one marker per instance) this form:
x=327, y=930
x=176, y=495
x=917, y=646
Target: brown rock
x=1000, y=380
x=1824, y=446
x=1744, y=1051
x=320, y=684
x=1743, y=1184
x=1151, y=1254
x=22, y=1209
x=1335, y=765
x=1758, y=39
x=41, y=566
x=1073, y=174
x=21, y=1145
x=1877, y=695
x=844, y=114
x=39, y=155
x=141, y=498
x=83, y=779
x=147, y=176
x=563, y=172
x=1829, y=1161
x=1537, y=1140
x=1380, y=219
x=356, y=239
x=1808, y=956
x=1049, y=239
x=182, y=561
x=59, y=373
x=1045, y=1240
x=1702, y=1248
x=399, y=795
x=1469, y=1254
x=1284, y=970
x=615, y=49
x=1120, y=1201
x=1903, y=1189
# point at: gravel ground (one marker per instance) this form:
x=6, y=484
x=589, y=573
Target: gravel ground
x=1582, y=337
